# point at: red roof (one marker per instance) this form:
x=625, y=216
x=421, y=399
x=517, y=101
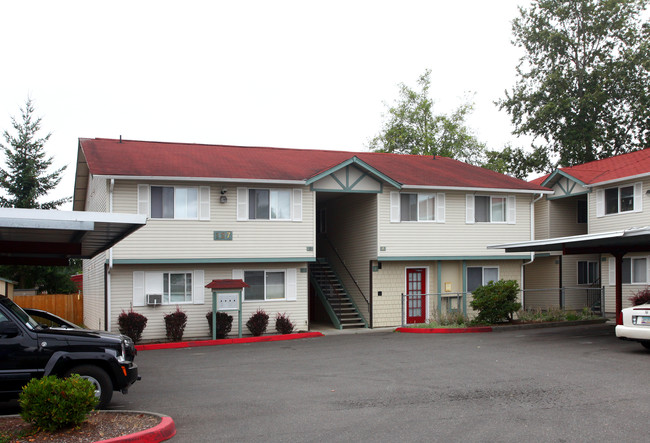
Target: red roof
x=227, y=284
x=184, y=160
x=608, y=169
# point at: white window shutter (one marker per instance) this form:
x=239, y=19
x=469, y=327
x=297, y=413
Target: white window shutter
x=291, y=284
x=204, y=203
x=440, y=207
x=297, y=205
x=512, y=209
x=612, y=271
x=237, y=274
x=138, y=288
x=242, y=204
x=638, y=197
x=143, y=200
x=469, y=208
x=600, y=202
x=394, y=207
x=198, y=287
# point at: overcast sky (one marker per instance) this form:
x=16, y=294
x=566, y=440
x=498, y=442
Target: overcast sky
x=301, y=74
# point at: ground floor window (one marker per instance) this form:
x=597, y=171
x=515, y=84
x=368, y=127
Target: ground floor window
x=480, y=276
x=264, y=285
x=634, y=270
x=587, y=272
x=177, y=287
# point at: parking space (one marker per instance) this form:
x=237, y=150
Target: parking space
x=559, y=384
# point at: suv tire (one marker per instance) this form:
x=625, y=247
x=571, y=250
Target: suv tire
x=99, y=378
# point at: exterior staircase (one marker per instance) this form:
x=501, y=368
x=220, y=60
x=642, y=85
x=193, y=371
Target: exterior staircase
x=339, y=306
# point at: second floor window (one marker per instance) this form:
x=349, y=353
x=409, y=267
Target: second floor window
x=174, y=202
x=417, y=207
x=619, y=200
x=273, y=204
x=491, y=209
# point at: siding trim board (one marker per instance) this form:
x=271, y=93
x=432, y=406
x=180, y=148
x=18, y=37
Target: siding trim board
x=456, y=258
x=170, y=261
x=474, y=189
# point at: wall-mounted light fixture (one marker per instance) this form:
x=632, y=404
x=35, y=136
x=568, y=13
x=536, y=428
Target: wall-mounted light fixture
x=223, y=198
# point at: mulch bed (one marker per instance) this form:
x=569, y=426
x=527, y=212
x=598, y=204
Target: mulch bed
x=99, y=426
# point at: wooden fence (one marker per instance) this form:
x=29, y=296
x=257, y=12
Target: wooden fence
x=67, y=306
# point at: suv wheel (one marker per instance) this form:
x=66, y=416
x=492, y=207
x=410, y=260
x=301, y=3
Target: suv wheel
x=99, y=378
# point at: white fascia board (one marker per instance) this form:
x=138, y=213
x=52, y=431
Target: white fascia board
x=54, y=219
x=203, y=179
x=619, y=180
x=458, y=188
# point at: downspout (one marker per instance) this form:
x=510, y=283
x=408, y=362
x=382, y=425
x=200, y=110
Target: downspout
x=532, y=237
x=110, y=263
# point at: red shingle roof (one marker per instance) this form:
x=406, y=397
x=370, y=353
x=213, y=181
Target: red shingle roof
x=183, y=160
x=608, y=169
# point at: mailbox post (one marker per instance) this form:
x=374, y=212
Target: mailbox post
x=226, y=296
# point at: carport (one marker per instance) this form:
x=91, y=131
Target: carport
x=51, y=238
x=616, y=243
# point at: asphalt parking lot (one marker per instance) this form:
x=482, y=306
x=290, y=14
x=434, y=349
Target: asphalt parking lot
x=558, y=384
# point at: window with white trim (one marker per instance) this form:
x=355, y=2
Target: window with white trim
x=417, y=207
x=175, y=286
x=269, y=204
x=634, y=270
x=587, y=272
x=619, y=200
x=264, y=285
x=480, y=276
x=491, y=209
x=174, y=202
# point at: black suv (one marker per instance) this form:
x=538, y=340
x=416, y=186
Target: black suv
x=29, y=350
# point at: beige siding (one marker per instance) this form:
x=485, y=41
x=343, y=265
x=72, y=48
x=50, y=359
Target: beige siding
x=452, y=238
x=564, y=218
x=391, y=281
x=617, y=222
x=542, y=283
x=194, y=239
x=93, y=270
x=197, y=325
x=352, y=228
x=542, y=219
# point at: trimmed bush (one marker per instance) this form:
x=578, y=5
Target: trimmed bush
x=224, y=323
x=640, y=298
x=175, y=324
x=132, y=324
x=496, y=301
x=282, y=324
x=52, y=403
x=258, y=322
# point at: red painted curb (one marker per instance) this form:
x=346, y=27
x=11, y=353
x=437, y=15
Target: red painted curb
x=164, y=430
x=444, y=330
x=227, y=341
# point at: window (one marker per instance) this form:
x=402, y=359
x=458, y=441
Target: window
x=413, y=207
x=264, y=285
x=480, y=276
x=177, y=288
x=619, y=200
x=417, y=207
x=634, y=270
x=174, y=202
x=269, y=204
x=587, y=272
x=582, y=211
x=489, y=209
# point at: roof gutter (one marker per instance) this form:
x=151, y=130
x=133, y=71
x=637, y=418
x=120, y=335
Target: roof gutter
x=202, y=179
x=474, y=189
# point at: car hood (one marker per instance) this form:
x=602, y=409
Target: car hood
x=81, y=333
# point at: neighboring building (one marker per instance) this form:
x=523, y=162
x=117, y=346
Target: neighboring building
x=385, y=223
x=597, y=197
x=7, y=288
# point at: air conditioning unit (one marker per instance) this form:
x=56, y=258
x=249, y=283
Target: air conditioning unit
x=154, y=299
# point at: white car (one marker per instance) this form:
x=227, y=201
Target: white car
x=636, y=325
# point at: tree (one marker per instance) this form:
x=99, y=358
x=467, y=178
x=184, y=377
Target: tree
x=583, y=83
x=517, y=162
x=412, y=128
x=26, y=177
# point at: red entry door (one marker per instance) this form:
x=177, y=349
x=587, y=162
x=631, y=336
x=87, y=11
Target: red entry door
x=415, y=300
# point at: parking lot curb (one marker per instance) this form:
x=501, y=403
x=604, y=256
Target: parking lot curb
x=444, y=330
x=164, y=430
x=226, y=341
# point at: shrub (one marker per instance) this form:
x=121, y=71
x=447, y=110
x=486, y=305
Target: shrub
x=224, y=323
x=132, y=324
x=641, y=297
x=283, y=325
x=496, y=301
x=175, y=324
x=258, y=322
x=51, y=403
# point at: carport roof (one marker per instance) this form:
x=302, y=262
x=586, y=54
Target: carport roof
x=50, y=237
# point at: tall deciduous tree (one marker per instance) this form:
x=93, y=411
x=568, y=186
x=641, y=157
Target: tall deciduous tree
x=412, y=128
x=26, y=178
x=583, y=83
